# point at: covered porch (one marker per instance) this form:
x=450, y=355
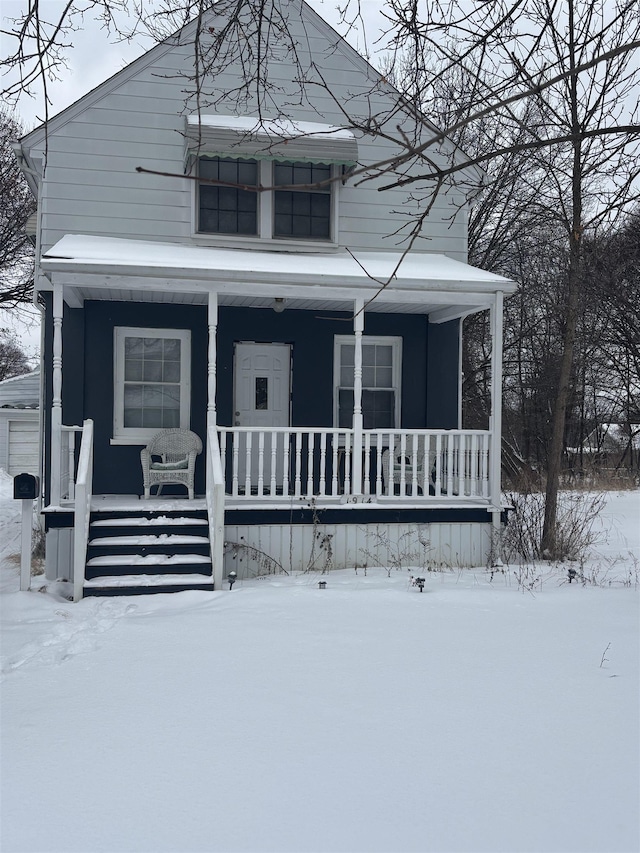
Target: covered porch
x=356, y=441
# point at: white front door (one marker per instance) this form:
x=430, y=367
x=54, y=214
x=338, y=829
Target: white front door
x=262, y=382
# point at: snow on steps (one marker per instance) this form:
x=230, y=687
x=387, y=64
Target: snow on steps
x=144, y=580
x=124, y=560
x=145, y=521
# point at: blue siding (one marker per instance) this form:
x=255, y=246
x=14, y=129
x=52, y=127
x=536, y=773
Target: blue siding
x=429, y=372
x=443, y=373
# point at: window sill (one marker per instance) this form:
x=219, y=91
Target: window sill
x=132, y=440
x=275, y=244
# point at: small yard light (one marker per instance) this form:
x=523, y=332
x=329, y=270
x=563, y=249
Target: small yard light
x=232, y=578
x=322, y=584
x=419, y=582
x=572, y=574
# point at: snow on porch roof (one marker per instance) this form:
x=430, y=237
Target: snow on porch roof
x=113, y=255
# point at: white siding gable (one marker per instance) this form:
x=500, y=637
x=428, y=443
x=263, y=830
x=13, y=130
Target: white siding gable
x=137, y=119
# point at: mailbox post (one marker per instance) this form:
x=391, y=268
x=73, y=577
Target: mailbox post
x=26, y=488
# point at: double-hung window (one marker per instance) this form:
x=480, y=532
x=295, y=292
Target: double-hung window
x=225, y=207
x=152, y=381
x=302, y=208
x=299, y=204
x=381, y=378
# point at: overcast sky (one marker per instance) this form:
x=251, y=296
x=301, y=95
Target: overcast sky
x=95, y=56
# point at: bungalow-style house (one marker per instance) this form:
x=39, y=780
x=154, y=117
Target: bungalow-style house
x=211, y=265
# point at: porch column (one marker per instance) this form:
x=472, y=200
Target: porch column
x=358, y=328
x=212, y=417
x=56, y=405
x=495, y=424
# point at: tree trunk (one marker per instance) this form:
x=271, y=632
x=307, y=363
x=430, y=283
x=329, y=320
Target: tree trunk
x=549, y=544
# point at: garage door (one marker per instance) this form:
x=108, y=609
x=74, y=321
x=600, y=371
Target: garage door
x=23, y=447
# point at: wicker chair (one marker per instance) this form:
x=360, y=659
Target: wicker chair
x=403, y=463
x=177, y=449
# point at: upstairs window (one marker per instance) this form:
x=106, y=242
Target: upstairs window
x=303, y=209
x=228, y=209
x=381, y=374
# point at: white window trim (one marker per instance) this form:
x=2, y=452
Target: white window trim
x=136, y=435
x=265, y=237
x=396, y=368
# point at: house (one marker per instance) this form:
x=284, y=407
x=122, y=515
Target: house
x=20, y=423
x=208, y=261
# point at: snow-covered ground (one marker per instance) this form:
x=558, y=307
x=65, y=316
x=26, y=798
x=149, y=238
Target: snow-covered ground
x=364, y=717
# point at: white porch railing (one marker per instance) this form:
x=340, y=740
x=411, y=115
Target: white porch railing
x=315, y=462
x=68, y=444
x=82, y=509
x=215, y=507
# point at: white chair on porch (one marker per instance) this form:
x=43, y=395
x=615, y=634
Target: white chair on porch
x=170, y=457
x=396, y=463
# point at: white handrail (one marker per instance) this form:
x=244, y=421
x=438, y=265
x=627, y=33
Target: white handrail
x=82, y=509
x=215, y=506
x=67, y=473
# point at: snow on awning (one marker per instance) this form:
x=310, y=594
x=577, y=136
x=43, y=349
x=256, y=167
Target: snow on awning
x=249, y=137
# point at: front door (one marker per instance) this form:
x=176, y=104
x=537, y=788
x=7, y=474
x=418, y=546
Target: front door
x=262, y=382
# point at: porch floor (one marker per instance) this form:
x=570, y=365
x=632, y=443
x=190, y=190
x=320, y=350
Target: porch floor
x=135, y=503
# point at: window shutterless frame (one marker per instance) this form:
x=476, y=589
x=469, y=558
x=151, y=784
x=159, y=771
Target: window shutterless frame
x=152, y=382
x=381, y=381
x=228, y=205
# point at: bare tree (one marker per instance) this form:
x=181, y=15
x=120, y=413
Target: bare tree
x=13, y=360
x=16, y=206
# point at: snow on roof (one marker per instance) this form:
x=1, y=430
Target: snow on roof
x=21, y=391
x=78, y=252
x=280, y=128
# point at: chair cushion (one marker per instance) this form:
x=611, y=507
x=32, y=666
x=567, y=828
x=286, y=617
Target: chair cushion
x=178, y=465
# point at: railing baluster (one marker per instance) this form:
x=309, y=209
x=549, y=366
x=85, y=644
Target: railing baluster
x=323, y=459
x=485, y=466
x=235, y=444
x=248, y=460
x=347, y=463
x=438, y=482
x=449, y=464
x=462, y=476
x=274, y=457
x=285, y=473
x=367, y=464
x=297, y=483
x=473, y=467
x=403, y=471
x=379, y=452
x=335, y=446
x=311, y=444
x=260, y=463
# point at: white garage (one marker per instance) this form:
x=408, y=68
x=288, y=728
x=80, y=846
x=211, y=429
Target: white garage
x=20, y=424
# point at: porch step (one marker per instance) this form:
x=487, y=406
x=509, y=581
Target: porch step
x=133, y=553
x=146, y=584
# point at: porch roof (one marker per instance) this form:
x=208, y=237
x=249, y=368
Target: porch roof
x=421, y=282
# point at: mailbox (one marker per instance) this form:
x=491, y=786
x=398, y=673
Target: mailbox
x=26, y=487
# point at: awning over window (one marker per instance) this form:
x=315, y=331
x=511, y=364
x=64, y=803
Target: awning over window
x=250, y=138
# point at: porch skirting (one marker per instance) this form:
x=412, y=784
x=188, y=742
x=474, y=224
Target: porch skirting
x=261, y=549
